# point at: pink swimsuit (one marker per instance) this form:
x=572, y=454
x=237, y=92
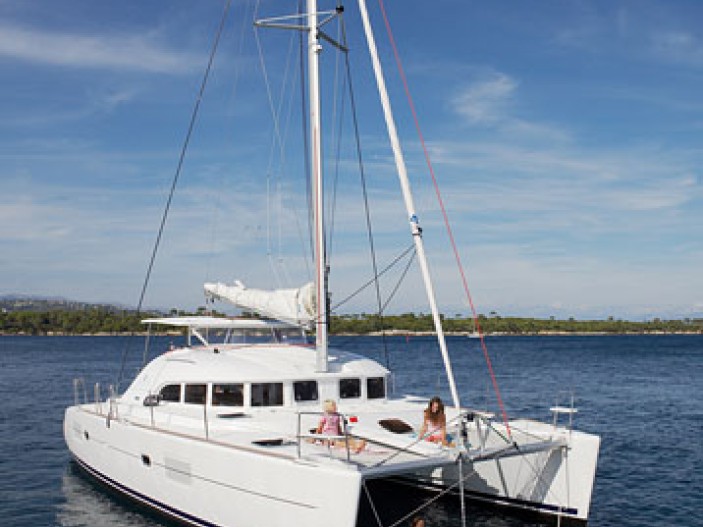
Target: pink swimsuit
x=330, y=425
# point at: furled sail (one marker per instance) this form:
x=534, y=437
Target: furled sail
x=295, y=306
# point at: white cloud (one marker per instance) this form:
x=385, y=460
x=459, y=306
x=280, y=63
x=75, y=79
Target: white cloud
x=491, y=101
x=486, y=101
x=120, y=52
x=678, y=46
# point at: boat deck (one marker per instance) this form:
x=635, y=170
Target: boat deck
x=288, y=434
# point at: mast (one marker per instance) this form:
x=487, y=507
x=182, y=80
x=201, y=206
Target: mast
x=310, y=22
x=408, y=198
x=314, y=50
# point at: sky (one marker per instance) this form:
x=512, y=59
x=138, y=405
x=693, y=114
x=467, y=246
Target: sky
x=566, y=138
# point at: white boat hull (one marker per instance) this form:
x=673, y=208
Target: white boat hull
x=209, y=482
x=206, y=483
x=550, y=472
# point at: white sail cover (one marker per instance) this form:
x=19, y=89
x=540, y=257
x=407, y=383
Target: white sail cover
x=295, y=306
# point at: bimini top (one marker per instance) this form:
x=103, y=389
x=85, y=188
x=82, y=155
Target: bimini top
x=210, y=330
x=219, y=323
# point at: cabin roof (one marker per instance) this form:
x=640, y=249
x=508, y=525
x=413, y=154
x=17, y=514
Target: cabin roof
x=253, y=363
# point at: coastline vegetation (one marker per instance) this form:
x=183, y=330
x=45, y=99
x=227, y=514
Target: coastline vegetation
x=99, y=320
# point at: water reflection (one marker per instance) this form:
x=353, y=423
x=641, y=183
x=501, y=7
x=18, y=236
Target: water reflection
x=87, y=505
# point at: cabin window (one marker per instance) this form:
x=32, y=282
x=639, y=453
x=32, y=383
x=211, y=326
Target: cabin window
x=171, y=392
x=195, y=393
x=349, y=388
x=305, y=390
x=228, y=395
x=375, y=388
x=267, y=394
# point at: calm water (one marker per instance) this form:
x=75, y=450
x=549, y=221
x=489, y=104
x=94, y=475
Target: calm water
x=643, y=395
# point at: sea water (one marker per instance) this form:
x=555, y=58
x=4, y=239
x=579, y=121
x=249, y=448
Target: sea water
x=642, y=394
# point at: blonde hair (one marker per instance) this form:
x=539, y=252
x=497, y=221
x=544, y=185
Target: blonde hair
x=330, y=406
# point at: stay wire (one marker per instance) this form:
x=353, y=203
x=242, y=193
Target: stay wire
x=277, y=143
x=338, y=146
x=362, y=175
x=411, y=248
x=400, y=281
x=372, y=280
x=217, y=210
x=176, y=176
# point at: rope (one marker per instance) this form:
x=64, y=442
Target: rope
x=439, y=496
x=544, y=482
x=276, y=141
x=400, y=281
x=176, y=176
x=525, y=458
x=362, y=175
x=337, y=140
x=373, y=507
x=413, y=443
x=368, y=283
x=444, y=214
x=217, y=208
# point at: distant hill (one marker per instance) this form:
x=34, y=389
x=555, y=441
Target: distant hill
x=28, y=315
x=11, y=303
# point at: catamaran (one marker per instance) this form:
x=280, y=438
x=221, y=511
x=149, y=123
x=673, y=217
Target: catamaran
x=223, y=431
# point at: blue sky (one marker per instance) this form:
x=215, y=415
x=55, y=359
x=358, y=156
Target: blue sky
x=566, y=137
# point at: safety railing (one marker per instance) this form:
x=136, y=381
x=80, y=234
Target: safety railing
x=78, y=387
x=325, y=439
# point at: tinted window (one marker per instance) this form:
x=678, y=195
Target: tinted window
x=172, y=392
x=375, y=388
x=349, y=388
x=267, y=394
x=195, y=393
x=228, y=395
x=305, y=390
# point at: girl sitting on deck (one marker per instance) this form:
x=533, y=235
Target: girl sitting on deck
x=331, y=425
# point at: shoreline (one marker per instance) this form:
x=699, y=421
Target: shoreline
x=389, y=333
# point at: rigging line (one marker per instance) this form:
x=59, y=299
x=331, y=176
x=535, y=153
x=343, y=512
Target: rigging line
x=460, y=266
x=286, y=86
x=217, y=209
x=271, y=150
x=277, y=140
x=373, y=507
x=386, y=269
x=274, y=271
x=415, y=441
x=395, y=289
x=439, y=496
x=335, y=185
x=176, y=176
x=369, y=282
x=541, y=480
x=400, y=281
x=362, y=175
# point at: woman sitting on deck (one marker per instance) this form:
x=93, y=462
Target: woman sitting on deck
x=434, y=425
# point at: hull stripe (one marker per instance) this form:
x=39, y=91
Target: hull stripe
x=514, y=502
x=153, y=504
